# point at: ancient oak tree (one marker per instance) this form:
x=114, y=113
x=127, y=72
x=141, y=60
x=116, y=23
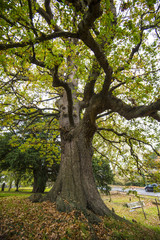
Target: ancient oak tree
x=97, y=58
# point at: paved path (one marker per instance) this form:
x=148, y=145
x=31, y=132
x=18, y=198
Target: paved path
x=140, y=191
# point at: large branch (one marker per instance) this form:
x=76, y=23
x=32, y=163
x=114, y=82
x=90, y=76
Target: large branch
x=31, y=17
x=99, y=54
x=42, y=38
x=48, y=8
x=89, y=41
x=48, y=15
x=129, y=112
x=59, y=83
x=90, y=16
x=89, y=88
x=80, y=5
x=85, y=25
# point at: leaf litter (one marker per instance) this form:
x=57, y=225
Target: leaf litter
x=23, y=220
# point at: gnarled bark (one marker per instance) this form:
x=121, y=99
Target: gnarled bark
x=75, y=186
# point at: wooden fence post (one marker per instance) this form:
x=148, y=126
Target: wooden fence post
x=157, y=208
x=142, y=208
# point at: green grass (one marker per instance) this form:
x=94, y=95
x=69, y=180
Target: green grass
x=14, y=194
x=23, y=192
x=118, y=203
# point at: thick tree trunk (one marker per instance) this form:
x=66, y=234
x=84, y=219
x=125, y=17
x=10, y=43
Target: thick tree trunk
x=75, y=186
x=40, y=179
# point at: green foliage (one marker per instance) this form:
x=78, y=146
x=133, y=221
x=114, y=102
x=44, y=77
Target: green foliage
x=130, y=44
x=151, y=3
x=28, y=162
x=152, y=161
x=103, y=174
x=12, y=158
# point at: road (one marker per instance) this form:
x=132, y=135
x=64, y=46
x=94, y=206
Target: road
x=140, y=191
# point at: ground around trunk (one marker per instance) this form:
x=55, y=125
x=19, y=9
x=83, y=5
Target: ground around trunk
x=22, y=219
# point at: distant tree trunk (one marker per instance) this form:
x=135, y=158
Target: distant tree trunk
x=17, y=184
x=3, y=186
x=40, y=179
x=10, y=186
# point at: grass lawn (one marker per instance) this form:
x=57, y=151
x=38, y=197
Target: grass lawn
x=118, y=203
x=24, y=220
x=23, y=192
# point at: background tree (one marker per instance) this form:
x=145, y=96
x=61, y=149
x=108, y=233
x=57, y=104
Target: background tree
x=98, y=56
x=128, y=150
x=27, y=161
x=103, y=174
x=152, y=161
x=13, y=178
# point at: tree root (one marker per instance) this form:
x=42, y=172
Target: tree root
x=63, y=205
x=36, y=197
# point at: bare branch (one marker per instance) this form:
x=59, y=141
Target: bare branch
x=123, y=134
x=112, y=130
x=31, y=17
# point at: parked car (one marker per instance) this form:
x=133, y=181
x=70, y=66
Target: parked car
x=152, y=188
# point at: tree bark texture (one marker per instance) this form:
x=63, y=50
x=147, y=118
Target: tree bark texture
x=75, y=186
